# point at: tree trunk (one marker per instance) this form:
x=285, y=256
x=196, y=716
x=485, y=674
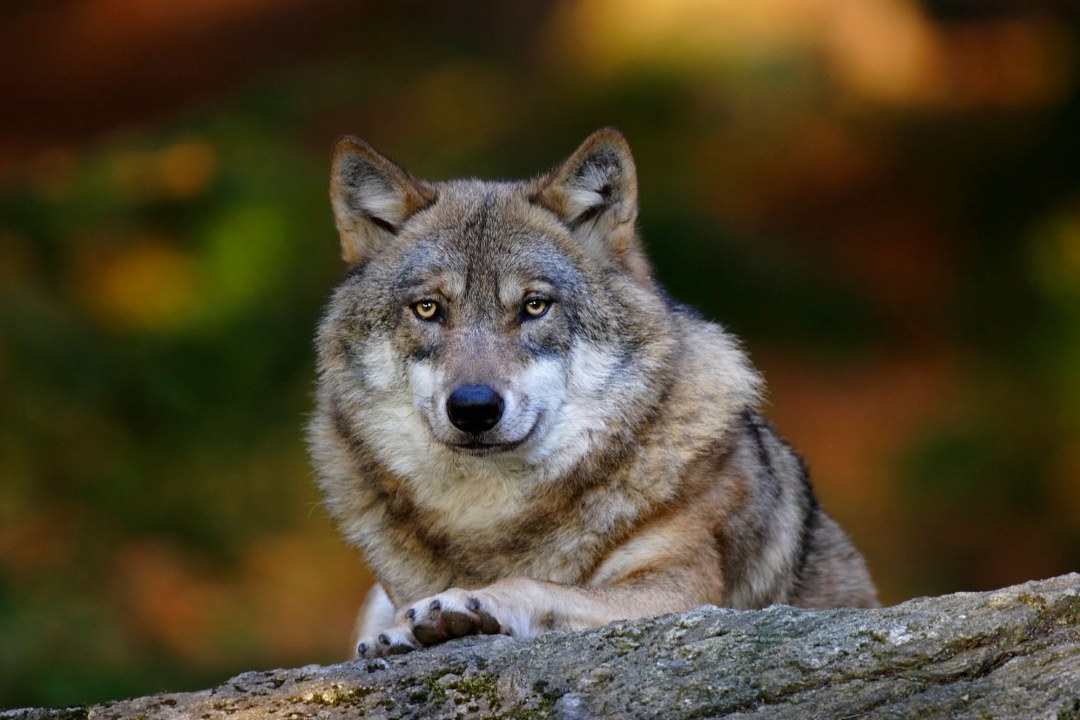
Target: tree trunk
x=1013, y=653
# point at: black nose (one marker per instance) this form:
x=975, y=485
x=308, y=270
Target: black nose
x=474, y=408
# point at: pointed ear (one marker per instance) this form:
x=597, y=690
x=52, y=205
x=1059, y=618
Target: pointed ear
x=372, y=198
x=594, y=192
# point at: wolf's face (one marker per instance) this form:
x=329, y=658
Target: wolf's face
x=479, y=305
x=506, y=321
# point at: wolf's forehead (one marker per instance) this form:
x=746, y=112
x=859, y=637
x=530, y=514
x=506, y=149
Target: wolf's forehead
x=516, y=258
x=492, y=226
x=474, y=211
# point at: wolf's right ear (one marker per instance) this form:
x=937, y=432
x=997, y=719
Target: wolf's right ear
x=372, y=198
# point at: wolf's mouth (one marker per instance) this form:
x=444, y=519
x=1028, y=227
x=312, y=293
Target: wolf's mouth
x=474, y=446
x=481, y=448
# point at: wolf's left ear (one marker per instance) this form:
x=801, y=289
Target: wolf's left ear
x=372, y=198
x=594, y=192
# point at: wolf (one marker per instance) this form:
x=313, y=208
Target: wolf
x=522, y=431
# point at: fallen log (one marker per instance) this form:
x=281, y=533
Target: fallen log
x=1011, y=653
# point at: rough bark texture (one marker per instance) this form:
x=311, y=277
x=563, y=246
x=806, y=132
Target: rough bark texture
x=1013, y=653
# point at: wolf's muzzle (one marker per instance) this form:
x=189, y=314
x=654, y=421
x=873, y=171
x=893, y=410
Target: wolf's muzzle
x=474, y=408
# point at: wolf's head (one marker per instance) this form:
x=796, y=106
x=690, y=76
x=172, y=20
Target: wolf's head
x=512, y=323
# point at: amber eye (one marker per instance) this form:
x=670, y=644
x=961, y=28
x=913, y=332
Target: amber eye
x=535, y=307
x=426, y=309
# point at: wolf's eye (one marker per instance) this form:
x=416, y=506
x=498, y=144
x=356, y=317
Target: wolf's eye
x=426, y=309
x=535, y=307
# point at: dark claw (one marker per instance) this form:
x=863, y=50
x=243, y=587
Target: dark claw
x=473, y=604
x=411, y=613
x=435, y=605
x=384, y=639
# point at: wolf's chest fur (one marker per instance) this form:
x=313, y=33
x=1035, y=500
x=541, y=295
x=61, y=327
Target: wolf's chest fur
x=506, y=392
x=429, y=518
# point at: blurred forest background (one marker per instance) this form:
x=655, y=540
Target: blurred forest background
x=881, y=197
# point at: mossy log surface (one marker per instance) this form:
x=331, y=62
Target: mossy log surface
x=1011, y=653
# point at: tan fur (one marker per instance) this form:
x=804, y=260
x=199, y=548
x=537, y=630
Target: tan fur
x=628, y=472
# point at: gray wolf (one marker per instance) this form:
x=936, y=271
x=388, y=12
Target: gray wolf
x=522, y=432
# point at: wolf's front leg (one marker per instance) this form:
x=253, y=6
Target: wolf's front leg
x=521, y=607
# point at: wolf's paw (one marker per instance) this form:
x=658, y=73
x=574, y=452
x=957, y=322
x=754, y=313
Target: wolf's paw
x=452, y=614
x=393, y=641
